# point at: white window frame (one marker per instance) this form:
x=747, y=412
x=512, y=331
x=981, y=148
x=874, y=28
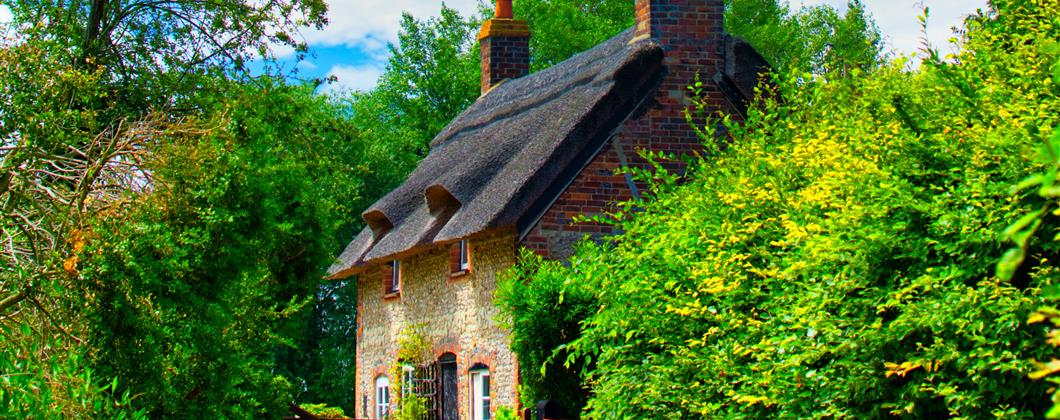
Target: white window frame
x=395, y=278
x=480, y=393
x=382, y=397
x=407, y=385
x=465, y=255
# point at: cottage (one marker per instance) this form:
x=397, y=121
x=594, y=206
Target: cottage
x=512, y=171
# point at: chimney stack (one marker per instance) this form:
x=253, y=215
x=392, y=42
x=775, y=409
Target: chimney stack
x=692, y=35
x=505, y=45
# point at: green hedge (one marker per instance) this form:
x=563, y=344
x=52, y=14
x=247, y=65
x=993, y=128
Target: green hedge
x=838, y=258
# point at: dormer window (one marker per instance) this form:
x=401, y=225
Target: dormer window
x=459, y=258
x=392, y=278
x=378, y=222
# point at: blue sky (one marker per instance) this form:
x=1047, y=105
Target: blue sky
x=353, y=46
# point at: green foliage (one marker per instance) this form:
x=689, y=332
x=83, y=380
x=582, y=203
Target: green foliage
x=193, y=287
x=410, y=407
x=431, y=76
x=61, y=386
x=156, y=54
x=1030, y=234
x=323, y=366
x=413, y=345
x=837, y=258
x=505, y=413
x=562, y=28
x=86, y=90
x=414, y=350
x=322, y=410
x=57, y=168
x=814, y=39
x=543, y=316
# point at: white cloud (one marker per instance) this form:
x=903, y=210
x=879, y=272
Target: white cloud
x=352, y=78
x=370, y=24
x=898, y=22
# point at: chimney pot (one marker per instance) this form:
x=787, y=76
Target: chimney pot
x=504, y=9
x=505, y=45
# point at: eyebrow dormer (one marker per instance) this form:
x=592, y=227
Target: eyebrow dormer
x=378, y=222
x=440, y=202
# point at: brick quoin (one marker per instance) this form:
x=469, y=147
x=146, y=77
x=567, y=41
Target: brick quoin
x=692, y=36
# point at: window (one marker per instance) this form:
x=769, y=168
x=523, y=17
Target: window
x=382, y=397
x=480, y=392
x=392, y=277
x=465, y=264
x=408, y=382
x=460, y=258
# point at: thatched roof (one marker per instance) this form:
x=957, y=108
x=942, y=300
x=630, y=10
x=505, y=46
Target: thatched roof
x=501, y=162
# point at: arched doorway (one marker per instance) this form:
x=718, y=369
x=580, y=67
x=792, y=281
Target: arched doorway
x=447, y=369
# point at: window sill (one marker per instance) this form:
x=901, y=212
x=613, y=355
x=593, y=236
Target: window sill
x=458, y=274
x=392, y=296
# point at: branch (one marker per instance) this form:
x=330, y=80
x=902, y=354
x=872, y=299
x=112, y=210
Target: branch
x=53, y=321
x=12, y=300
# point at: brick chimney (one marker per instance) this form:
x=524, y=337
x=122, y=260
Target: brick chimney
x=692, y=36
x=505, y=44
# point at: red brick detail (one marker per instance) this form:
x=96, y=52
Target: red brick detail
x=377, y=372
x=447, y=345
x=504, y=57
x=482, y=358
x=691, y=34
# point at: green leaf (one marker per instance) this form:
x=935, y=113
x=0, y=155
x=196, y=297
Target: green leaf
x=1022, y=230
x=1009, y=263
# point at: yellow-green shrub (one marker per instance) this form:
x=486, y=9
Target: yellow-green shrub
x=838, y=258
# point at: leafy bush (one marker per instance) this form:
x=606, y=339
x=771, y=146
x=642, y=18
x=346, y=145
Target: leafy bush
x=543, y=316
x=322, y=410
x=193, y=287
x=1030, y=235
x=837, y=258
x=505, y=413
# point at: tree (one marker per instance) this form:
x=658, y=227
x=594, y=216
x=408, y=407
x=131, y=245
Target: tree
x=56, y=171
x=87, y=90
x=814, y=39
x=194, y=288
x=158, y=53
x=810, y=40
x=562, y=28
x=431, y=76
x=544, y=312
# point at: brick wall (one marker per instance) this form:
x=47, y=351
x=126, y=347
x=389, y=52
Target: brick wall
x=504, y=57
x=692, y=37
x=458, y=315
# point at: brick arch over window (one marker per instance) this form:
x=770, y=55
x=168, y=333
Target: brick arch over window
x=379, y=402
x=447, y=344
x=480, y=393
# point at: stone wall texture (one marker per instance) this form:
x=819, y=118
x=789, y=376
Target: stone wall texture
x=457, y=313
